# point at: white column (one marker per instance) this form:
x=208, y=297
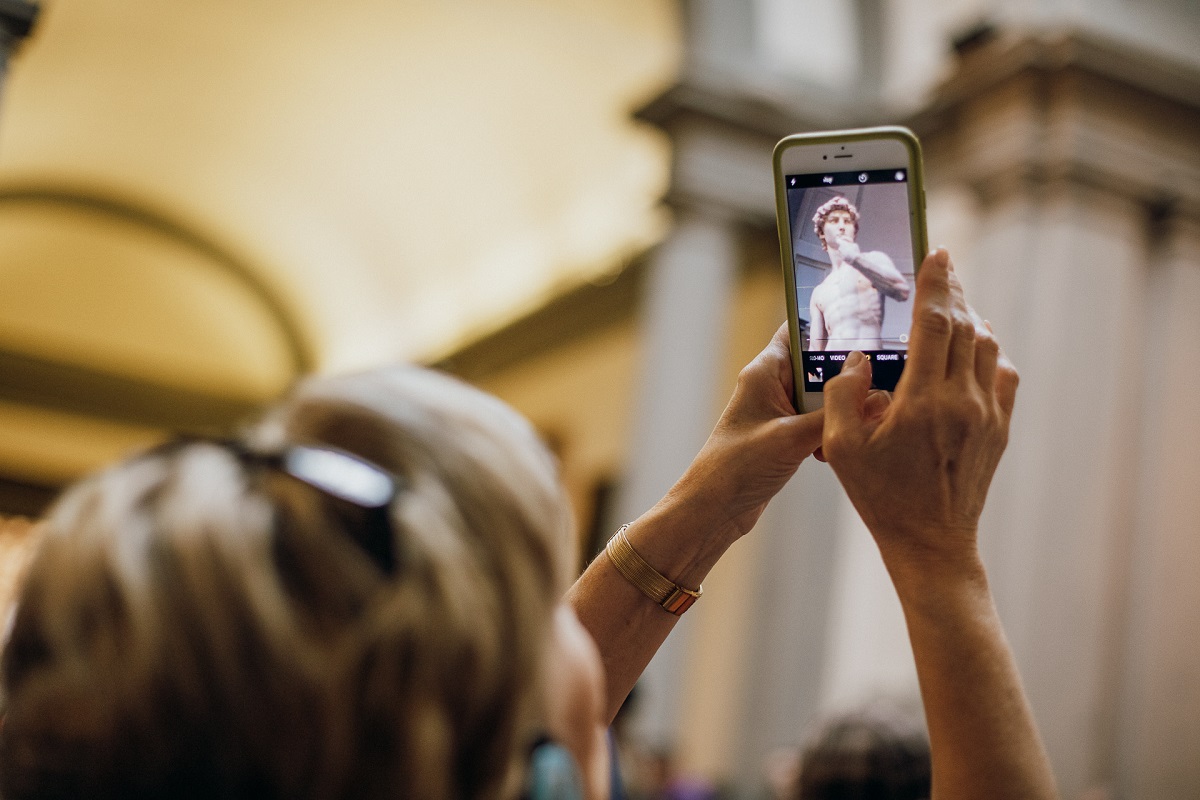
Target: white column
x=790, y=624
x=686, y=304
x=1067, y=269
x=868, y=655
x=1158, y=749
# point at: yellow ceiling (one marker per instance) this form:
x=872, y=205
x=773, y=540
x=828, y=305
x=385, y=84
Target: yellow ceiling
x=111, y=295
x=208, y=197
x=403, y=174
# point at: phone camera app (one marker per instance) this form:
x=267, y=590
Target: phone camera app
x=854, y=271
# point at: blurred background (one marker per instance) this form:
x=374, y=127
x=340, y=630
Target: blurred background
x=569, y=203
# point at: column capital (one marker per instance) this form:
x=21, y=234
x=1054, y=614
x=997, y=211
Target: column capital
x=1026, y=111
x=722, y=132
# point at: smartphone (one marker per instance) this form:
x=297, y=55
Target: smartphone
x=851, y=212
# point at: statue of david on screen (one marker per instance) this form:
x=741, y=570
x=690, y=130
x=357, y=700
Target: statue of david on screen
x=846, y=308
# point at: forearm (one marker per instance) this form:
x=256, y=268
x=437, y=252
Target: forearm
x=752, y=452
x=680, y=539
x=882, y=273
x=983, y=737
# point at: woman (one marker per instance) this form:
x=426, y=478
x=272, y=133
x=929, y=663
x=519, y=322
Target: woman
x=213, y=619
x=362, y=599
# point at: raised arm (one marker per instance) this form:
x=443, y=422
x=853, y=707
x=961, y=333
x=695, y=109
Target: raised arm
x=878, y=268
x=917, y=469
x=756, y=446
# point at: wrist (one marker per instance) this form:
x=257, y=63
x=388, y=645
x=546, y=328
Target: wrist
x=681, y=539
x=924, y=576
x=665, y=592
x=714, y=496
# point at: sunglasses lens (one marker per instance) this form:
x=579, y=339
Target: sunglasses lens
x=340, y=475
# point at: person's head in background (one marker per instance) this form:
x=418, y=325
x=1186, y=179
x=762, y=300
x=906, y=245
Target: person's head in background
x=201, y=622
x=877, y=753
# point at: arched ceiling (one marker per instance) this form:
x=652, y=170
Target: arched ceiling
x=199, y=201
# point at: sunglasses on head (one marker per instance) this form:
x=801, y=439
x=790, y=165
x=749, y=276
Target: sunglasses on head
x=339, y=475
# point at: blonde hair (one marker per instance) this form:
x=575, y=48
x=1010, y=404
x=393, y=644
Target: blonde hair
x=192, y=627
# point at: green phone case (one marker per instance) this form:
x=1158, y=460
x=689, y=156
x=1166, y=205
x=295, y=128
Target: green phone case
x=916, y=200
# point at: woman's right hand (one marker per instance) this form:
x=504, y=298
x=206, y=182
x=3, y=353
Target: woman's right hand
x=917, y=466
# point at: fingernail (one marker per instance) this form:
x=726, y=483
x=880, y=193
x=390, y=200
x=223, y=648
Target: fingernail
x=854, y=359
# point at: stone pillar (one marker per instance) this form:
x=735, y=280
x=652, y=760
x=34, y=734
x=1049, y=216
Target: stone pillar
x=1057, y=538
x=683, y=331
x=721, y=184
x=796, y=539
x=867, y=653
x=1157, y=747
x=1090, y=528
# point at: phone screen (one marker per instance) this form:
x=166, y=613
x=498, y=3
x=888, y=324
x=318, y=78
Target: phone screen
x=852, y=253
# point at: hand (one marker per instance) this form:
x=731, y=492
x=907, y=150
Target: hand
x=756, y=445
x=918, y=468
x=849, y=250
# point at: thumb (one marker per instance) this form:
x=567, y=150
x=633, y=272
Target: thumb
x=846, y=399
x=804, y=432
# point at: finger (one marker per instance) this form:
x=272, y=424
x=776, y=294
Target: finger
x=845, y=399
x=781, y=341
x=805, y=431
x=819, y=455
x=877, y=403
x=765, y=384
x=960, y=362
x=1006, y=384
x=987, y=354
x=932, y=326
x=778, y=349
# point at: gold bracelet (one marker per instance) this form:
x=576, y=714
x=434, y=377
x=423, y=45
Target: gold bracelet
x=668, y=594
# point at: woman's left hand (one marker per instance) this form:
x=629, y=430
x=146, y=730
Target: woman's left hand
x=756, y=446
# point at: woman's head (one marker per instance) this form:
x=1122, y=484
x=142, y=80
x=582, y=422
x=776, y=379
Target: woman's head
x=201, y=623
